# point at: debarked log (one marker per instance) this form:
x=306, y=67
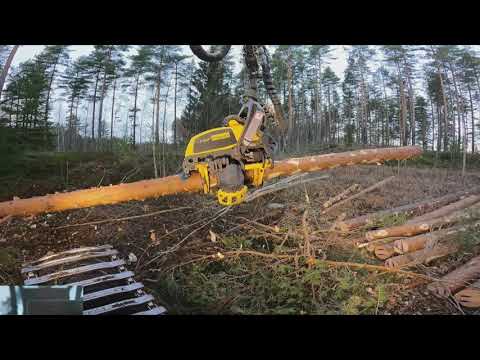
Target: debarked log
x=170, y=185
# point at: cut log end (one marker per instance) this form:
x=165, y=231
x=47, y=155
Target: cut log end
x=457, y=279
x=469, y=297
x=384, y=251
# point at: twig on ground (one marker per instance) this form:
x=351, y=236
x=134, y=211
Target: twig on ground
x=125, y=218
x=281, y=185
x=357, y=195
x=5, y=219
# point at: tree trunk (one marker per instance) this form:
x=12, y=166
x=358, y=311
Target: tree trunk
x=113, y=114
x=102, y=94
x=403, y=112
x=154, y=150
x=94, y=103
x=6, y=67
x=135, y=111
x=445, y=113
x=70, y=127
x=411, y=95
x=433, y=125
x=47, y=101
x=290, y=97
x=157, y=119
x=473, y=118
x=175, y=108
x=163, y=130
x=141, y=190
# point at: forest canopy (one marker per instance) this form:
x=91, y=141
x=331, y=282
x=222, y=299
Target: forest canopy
x=387, y=95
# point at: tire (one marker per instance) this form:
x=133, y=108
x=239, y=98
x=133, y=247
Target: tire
x=204, y=55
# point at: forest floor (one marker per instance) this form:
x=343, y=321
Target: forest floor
x=197, y=260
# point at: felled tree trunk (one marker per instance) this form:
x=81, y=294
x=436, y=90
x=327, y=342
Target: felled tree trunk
x=421, y=256
x=407, y=245
x=417, y=208
x=423, y=226
x=155, y=188
x=446, y=210
x=457, y=279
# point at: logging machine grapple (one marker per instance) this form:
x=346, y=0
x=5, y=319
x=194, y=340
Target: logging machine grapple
x=236, y=155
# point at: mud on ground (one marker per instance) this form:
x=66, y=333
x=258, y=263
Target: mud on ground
x=180, y=253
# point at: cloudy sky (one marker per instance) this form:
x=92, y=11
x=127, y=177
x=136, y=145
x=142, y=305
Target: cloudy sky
x=25, y=52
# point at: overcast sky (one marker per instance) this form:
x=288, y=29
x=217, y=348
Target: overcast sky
x=26, y=52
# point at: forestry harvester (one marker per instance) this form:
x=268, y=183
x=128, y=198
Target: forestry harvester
x=231, y=157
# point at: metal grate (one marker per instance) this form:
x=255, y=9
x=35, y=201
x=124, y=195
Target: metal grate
x=108, y=287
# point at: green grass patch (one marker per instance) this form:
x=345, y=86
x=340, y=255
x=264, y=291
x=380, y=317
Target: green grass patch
x=250, y=285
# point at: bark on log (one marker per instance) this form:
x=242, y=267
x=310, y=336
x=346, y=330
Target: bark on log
x=144, y=189
x=469, y=297
x=344, y=194
x=417, y=208
x=424, y=226
x=457, y=279
x=384, y=251
x=421, y=256
x=446, y=210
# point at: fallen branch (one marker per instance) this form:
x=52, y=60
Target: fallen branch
x=5, y=219
x=344, y=194
x=457, y=279
x=331, y=263
x=361, y=193
x=408, y=210
x=124, y=218
x=280, y=186
x=420, y=256
x=469, y=297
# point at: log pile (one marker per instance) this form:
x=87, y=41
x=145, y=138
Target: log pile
x=409, y=210
x=428, y=236
x=463, y=282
